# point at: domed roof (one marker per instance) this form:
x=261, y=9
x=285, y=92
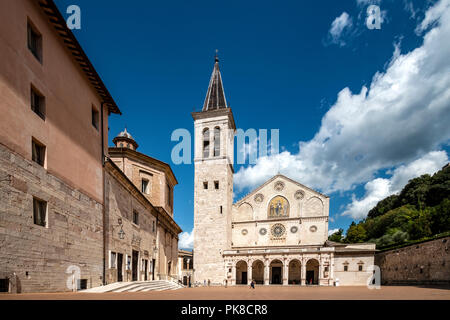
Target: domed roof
x=125, y=134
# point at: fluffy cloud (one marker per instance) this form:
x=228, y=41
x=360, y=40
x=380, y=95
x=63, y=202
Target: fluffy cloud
x=403, y=115
x=340, y=26
x=330, y=232
x=380, y=188
x=186, y=240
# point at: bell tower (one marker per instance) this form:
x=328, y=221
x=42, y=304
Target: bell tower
x=214, y=129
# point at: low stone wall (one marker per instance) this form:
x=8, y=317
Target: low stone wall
x=421, y=263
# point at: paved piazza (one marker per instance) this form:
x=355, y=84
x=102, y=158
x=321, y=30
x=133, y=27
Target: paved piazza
x=260, y=293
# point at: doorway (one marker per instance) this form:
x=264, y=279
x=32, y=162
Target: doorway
x=310, y=277
x=145, y=269
x=244, y=277
x=134, y=265
x=153, y=268
x=276, y=275
x=119, y=267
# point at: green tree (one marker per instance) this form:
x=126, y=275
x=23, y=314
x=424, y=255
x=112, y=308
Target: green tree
x=337, y=236
x=356, y=233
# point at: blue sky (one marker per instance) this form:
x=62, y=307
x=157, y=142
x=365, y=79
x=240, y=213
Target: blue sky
x=283, y=66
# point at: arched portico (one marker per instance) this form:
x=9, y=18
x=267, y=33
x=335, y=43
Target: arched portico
x=294, y=273
x=241, y=272
x=312, y=271
x=276, y=272
x=258, y=271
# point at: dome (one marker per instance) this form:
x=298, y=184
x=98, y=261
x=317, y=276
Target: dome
x=125, y=140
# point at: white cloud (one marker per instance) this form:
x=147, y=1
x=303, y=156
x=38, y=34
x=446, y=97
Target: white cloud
x=186, y=240
x=367, y=2
x=340, y=26
x=403, y=115
x=330, y=232
x=380, y=188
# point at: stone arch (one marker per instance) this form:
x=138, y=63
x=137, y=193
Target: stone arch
x=312, y=271
x=258, y=271
x=276, y=272
x=277, y=207
x=244, y=212
x=216, y=141
x=241, y=272
x=205, y=144
x=294, y=271
x=313, y=207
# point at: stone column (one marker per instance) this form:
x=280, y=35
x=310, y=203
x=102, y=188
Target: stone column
x=233, y=274
x=285, y=272
x=332, y=268
x=249, y=272
x=266, y=272
x=303, y=274
x=320, y=277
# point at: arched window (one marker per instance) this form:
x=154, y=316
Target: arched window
x=206, y=143
x=216, y=141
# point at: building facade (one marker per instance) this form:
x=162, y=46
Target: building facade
x=186, y=267
x=277, y=234
x=61, y=198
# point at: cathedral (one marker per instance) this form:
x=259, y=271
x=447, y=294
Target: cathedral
x=277, y=234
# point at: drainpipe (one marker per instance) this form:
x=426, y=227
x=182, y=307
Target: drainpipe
x=104, y=194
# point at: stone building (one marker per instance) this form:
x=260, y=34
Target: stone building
x=61, y=198
x=277, y=234
x=185, y=267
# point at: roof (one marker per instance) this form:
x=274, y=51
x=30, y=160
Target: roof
x=272, y=179
x=215, y=96
x=71, y=43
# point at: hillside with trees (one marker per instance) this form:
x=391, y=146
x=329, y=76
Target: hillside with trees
x=421, y=210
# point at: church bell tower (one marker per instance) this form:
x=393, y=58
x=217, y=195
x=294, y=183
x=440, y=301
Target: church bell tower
x=213, y=185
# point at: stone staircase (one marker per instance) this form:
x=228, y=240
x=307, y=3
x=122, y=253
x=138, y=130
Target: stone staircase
x=136, y=286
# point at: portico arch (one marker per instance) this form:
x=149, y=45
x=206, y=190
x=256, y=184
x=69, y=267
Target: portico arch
x=295, y=270
x=258, y=271
x=241, y=272
x=312, y=271
x=276, y=272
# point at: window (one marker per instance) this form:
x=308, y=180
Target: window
x=345, y=268
x=34, y=42
x=37, y=102
x=136, y=217
x=37, y=152
x=360, y=267
x=169, y=195
x=95, y=118
x=112, y=261
x=39, y=212
x=153, y=227
x=216, y=185
x=221, y=210
x=216, y=142
x=144, y=186
x=205, y=185
x=206, y=143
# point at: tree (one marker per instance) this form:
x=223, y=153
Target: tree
x=337, y=236
x=356, y=233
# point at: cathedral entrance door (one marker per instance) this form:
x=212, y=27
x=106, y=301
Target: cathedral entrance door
x=276, y=275
x=244, y=277
x=310, y=277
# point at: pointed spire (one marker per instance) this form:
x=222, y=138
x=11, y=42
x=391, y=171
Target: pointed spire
x=215, y=97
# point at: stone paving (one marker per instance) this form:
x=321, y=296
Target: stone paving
x=260, y=293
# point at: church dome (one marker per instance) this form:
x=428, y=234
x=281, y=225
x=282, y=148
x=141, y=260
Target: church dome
x=125, y=140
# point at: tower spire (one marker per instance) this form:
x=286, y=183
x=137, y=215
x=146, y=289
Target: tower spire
x=215, y=96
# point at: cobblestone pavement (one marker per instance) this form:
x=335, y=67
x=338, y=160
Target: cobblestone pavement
x=260, y=293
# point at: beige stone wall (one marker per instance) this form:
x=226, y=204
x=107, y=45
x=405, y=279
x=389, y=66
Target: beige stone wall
x=120, y=204
x=306, y=214
x=422, y=263
x=67, y=126
x=353, y=277
x=73, y=236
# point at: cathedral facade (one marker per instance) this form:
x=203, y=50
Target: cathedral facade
x=277, y=234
